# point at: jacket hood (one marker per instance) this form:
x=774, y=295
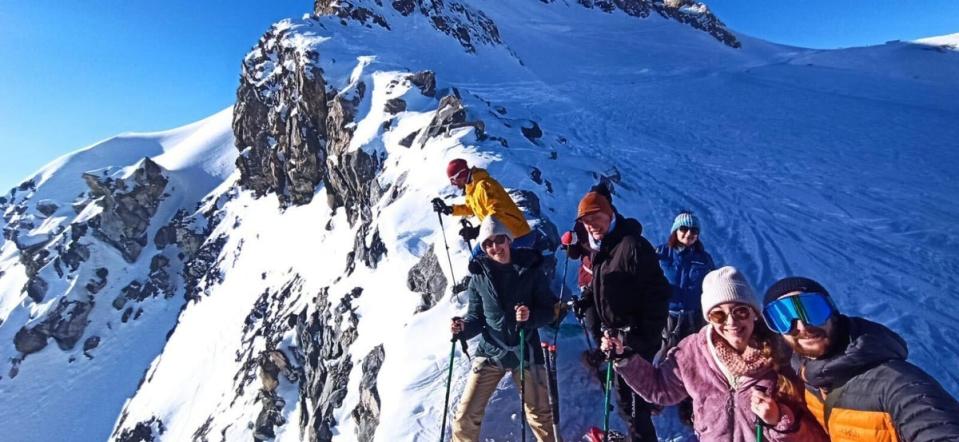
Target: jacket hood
x=870, y=344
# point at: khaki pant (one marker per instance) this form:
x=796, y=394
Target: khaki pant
x=480, y=387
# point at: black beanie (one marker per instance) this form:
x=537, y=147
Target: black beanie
x=792, y=284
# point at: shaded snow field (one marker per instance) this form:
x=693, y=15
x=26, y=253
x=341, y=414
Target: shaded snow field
x=837, y=165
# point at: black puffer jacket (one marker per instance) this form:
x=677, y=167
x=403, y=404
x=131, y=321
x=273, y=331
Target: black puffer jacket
x=494, y=291
x=629, y=288
x=866, y=391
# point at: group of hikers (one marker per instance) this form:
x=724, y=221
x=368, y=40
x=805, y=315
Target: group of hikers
x=677, y=330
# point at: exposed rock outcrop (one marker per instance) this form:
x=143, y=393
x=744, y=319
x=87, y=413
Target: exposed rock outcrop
x=128, y=204
x=65, y=324
x=325, y=336
x=146, y=431
x=367, y=412
x=427, y=279
x=272, y=364
x=469, y=26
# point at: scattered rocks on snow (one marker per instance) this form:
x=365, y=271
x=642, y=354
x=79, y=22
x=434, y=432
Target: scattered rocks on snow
x=533, y=132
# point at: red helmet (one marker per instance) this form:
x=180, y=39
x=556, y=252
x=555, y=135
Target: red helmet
x=456, y=167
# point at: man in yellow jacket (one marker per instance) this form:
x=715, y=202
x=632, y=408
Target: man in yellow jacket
x=485, y=197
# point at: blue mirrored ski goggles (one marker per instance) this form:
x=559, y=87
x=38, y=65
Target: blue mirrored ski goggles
x=811, y=308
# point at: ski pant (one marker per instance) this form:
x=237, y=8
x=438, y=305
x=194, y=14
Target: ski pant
x=636, y=412
x=481, y=385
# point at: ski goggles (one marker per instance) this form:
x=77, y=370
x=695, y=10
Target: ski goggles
x=811, y=308
x=458, y=176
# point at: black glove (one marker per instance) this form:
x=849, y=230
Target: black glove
x=469, y=233
x=581, y=306
x=440, y=207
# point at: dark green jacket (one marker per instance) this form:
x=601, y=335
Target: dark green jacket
x=494, y=291
x=866, y=391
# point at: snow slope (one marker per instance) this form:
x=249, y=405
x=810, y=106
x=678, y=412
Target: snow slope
x=838, y=165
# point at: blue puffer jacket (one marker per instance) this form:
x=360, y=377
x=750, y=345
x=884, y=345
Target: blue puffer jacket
x=685, y=270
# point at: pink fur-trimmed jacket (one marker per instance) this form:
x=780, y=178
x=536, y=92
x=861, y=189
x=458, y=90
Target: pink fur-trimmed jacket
x=721, y=412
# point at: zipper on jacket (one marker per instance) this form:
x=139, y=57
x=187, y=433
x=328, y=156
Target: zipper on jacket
x=731, y=411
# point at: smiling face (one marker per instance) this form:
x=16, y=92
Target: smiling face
x=687, y=236
x=734, y=322
x=497, y=248
x=597, y=224
x=807, y=340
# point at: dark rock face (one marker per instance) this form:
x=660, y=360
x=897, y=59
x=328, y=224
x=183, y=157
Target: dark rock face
x=449, y=115
x=689, y=12
x=272, y=365
x=367, y=412
x=471, y=27
x=128, y=204
x=37, y=288
x=47, y=207
x=467, y=25
x=427, y=278
x=325, y=337
x=65, y=324
x=146, y=431
x=279, y=121
x=28, y=341
x=350, y=180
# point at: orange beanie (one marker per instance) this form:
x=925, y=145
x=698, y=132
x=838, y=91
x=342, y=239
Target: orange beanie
x=594, y=202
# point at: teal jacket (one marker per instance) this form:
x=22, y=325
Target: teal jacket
x=494, y=292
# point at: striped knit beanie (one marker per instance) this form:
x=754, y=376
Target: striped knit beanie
x=685, y=219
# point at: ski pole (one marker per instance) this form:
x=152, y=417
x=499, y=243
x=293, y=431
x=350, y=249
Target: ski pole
x=449, y=379
x=553, y=388
x=759, y=422
x=447, y=244
x=609, y=383
x=522, y=381
x=609, y=387
x=550, y=386
x=582, y=324
x=562, y=288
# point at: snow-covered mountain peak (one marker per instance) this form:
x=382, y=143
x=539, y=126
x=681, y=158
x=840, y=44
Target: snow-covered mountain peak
x=949, y=41
x=275, y=270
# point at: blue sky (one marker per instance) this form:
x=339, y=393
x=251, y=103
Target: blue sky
x=75, y=72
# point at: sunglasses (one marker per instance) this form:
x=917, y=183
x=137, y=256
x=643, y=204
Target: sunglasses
x=739, y=313
x=811, y=308
x=498, y=240
x=685, y=229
